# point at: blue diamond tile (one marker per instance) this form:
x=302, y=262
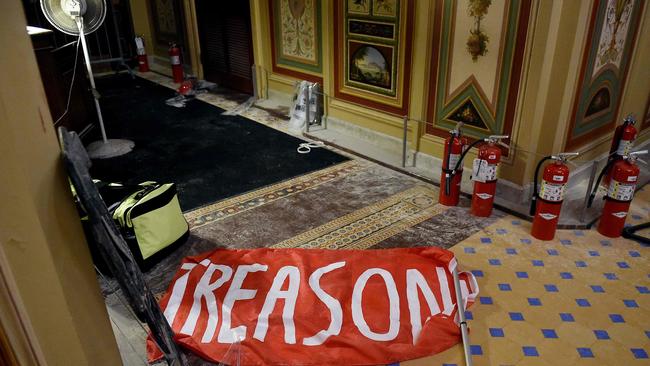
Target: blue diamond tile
x=634, y=253
x=530, y=351
x=639, y=353
x=549, y=333
x=496, y=332
x=515, y=222
x=522, y=274
x=578, y=233
x=597, y=288
x=538, y=263
x=470, y=250
x=616, y=318
x=485, y=240
x=647, y=333
x=469, y=315
x=636, y=217
x=525, y=241
x=581, y=264
x=594, y=253
x=516, y=316
x=623, y=265
x=485, y=300
x=501, y=231
x=551, y=288
x=552, y=252
x=567, y=317
x=610, y=276
x=477, y=273
x=630, y=304
x=449, y=364
x=583, y=303
x=494, y=262
x=476, y=349
x=505, y=287
x=511, y=251
x=566, y=275
x=534, y=301
x=565, y=242
x=642, y=289
x=601, y=334
x=606, y=243
x=585, y=352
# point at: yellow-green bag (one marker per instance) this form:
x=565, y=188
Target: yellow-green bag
x=151, y=219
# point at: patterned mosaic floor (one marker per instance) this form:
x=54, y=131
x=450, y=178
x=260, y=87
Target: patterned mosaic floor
x=581, y=299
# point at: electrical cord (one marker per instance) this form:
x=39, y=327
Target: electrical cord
x=74, y=73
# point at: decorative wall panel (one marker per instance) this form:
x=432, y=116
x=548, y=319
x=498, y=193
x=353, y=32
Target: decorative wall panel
x=476, y=66
x=372, y=51
x=169, y=26
x=606, y=58
x=645, y=121
x=296, y=37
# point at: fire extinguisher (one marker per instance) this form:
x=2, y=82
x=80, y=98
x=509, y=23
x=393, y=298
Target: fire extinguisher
x=624, y=175
x=143, y=62
x=550, y=195
x=177, y=66
x=624, y=137
x=484, y=175
x=452, y=173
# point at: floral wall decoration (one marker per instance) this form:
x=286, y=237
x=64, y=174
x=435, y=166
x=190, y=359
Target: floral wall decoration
x=478, y=40
x=480, y=89
x=296, y=38
x=611, y=35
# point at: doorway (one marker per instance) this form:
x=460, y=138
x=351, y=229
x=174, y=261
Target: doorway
x=226, y=43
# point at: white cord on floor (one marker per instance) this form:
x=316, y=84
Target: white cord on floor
x=305, y=147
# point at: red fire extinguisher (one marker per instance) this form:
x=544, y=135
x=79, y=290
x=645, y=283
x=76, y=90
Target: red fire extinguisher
x=624, y=175
x=550, y=195
x=452, y=171
x=624, y=137
x=177, y=66
x=484, y=175
x=143, y=62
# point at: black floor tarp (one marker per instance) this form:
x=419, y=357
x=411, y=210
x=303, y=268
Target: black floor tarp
x=208, y=155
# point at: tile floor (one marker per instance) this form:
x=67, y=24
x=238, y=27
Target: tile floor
x=581, y=299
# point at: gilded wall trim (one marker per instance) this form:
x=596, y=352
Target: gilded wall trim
x=296, y=38
x=482, y=92
x=372, y=50
x=606, y=58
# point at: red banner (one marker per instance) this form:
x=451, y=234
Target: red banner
x=316, y=307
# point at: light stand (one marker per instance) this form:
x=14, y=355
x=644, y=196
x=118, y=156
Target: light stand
x=105, y=148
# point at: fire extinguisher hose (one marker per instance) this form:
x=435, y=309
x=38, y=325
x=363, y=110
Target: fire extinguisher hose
x=459, y=163
x=447, y=171
x=600, y=177
x=533, y=201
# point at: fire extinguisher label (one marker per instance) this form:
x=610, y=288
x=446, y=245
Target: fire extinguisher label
x=551, y=191
x=620, y=215
x=453, y=160
x=547, y=216
x=558, y=178
x=483, y=172
x=624, y=147
x=176, y=60
x=632, y=178
x=621, y=191
x=484, y=196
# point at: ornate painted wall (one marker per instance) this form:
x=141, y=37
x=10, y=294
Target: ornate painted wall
x=372, y=52
x=476, y=66
x=610, y=41
x=296, y=38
